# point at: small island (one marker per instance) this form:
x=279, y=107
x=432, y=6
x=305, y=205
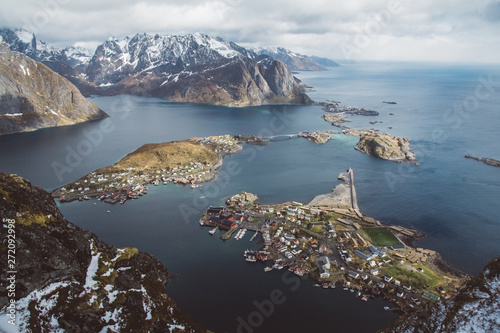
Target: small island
x=336, y=107
x=386, y=146
x=485, y=160
x=333, y=243
x=319, y=137
x=372, y=142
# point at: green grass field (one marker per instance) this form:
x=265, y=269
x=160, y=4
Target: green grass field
x=415, y=279
x=381, y=236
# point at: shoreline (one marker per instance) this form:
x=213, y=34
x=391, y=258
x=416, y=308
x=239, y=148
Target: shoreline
x=113, y=187
x=299, y=236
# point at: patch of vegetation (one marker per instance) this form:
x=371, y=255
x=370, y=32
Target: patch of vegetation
x=154, y=156
x=126, y=253
x=18, y=179
x=415, y=279
x=5, y=194
x=29, y=218
x=318, y=229
x=381, y=236
x=434, y=279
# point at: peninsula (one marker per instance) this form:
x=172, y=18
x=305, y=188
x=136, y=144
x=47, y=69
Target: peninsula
x=332, y=242
x=188, y=162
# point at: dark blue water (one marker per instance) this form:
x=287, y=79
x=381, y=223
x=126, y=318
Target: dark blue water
x=452, y=199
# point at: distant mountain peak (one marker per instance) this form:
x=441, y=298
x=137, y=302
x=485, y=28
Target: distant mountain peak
x=296, y=61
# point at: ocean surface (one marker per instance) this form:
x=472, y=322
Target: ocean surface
x=453, y=200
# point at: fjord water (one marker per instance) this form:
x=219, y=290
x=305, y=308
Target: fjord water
x=452, y=199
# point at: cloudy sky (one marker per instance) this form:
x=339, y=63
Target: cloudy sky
x=402, y=30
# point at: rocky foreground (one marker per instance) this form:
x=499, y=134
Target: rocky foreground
x=32, y=96
x=68, y=279
x=474, y=308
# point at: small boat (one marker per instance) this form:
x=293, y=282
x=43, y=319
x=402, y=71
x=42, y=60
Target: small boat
x=278, y=266
x=386, y=308
x=268, y=268
x=364, y=298
x=108, y=212
x=211, y=232
x=86, y=197
x=358, y=294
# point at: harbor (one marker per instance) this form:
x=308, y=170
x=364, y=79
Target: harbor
x=336, y=245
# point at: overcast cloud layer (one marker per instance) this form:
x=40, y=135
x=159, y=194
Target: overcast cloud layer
x=395, y=30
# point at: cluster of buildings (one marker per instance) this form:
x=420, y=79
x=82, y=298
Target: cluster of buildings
x=222, y=218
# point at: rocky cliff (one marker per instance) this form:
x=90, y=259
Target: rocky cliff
x=474, y=308
x=32, y=96
x=69, y=62
x=67, y=279
x=385, y=146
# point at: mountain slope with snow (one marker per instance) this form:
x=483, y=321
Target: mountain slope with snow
x=296, y=61
x=68, y=280
x=474, y=308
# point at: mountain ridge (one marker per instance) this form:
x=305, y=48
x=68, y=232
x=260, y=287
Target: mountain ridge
x=190, y=68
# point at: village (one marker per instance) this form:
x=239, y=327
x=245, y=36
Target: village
x=127, y=183
x=336, y=247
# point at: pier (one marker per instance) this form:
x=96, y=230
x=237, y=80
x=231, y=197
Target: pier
x=354, y=197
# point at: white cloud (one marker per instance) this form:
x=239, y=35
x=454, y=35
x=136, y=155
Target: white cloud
x=448, y=30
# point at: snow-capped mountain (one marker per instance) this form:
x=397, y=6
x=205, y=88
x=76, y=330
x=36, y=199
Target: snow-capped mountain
x=474, y=308
x=296, y=61
x=193, y=68
x=115, y=60
x=26, y=42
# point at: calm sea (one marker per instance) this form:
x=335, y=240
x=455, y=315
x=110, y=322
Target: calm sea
x=452, y=199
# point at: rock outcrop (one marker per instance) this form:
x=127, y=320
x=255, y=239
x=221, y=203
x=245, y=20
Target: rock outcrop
x=485, y=160
x=386, y=147
x=474, y=308
x=32, y=96
x=67, y=279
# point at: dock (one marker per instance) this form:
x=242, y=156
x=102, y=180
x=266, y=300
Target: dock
x=229, y=233
x=254, y=235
